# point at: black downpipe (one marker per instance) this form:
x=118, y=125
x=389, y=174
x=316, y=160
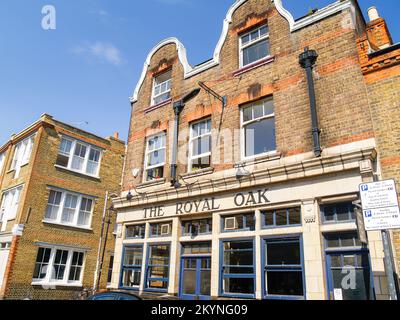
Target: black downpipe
x=307, y=60
x=178, y=108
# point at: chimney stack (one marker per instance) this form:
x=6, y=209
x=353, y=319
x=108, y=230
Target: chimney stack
x=373, y=14
x=377, y=31
x=116, y=135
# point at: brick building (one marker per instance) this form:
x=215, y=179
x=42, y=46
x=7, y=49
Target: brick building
x=53, y=181
x=380, y=63
x=237, y=184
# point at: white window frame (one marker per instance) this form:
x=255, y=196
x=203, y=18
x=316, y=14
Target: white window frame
x=9, y=211
x=192, y=139
x=22, y=154
x=2, y=160
x=64, y=282
x=75, y=224
x=251, y=43
x=146, y=157
x=71, y=155
x=154, y=96
x=243, y=124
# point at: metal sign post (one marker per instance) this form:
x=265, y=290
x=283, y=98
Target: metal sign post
x=381, y=212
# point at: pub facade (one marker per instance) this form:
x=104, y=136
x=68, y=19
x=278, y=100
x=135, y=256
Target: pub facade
x=242, y=174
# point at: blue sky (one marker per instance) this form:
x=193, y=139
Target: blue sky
x=83, y=72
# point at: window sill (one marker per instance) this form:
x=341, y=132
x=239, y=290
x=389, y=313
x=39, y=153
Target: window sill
x=156, y=106
x=281, y=227
x=270, y=156
x=198, y=173
x=77, y=172
x=66, y=225
x=152, y=183
x=57, y=284
x=254, y=65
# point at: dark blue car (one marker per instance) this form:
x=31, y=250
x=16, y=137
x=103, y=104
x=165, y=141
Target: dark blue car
x=114, y=295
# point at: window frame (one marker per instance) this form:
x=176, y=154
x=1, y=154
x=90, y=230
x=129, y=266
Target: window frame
x=243, y=124
x=148, y=266
x=162, y=135
x=71, y=155
x=9, y=212
x=2, y=160
x=159, y=225
x=131, y=267
x=237, y=275
x=274, y=226
x=245, y=227
x=191, y=157
x=21, y=159
x=252, y=43
x=65, y=282
x=335, y=220
x=277, y=268
x=61, y=207
x=191, y=222
x=142, y=226
x=153, y=91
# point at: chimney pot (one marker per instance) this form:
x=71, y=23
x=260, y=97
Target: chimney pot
x=373, y=14
x=116, y=135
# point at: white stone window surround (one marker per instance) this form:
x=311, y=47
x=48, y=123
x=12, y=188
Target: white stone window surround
x=294, y=25
x=22, y=154
x=77, y=212
x=48, y=281
x=9, y=204
x=90, y=152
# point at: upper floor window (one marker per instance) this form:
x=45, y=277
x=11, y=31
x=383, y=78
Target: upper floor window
x=69, y=209
x=163, y=229
x=197, y=227
x=155, y=157
x=282, y=217
x=22, y=154
x=2, y=159
x=200, y=145
x=162, y=87
x=9, y=206
x=254, y=45
x=338, y=212
x=79, y=156
x=258, y=128
x=240, y=222
x=135, y=231
x=58, y=266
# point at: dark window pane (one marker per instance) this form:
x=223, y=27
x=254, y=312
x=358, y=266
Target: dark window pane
x=269, y=218
x=239, y=285
x=255, y=52
x=342, y=212
x=285, y=283
x=295, y=216
x=329, y=213
x=250, y=222
x=260, y=137
x=283, y=253
x=131, y=277
x=62, y=160
x=281, y=217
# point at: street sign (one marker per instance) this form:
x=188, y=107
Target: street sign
x=380, y=205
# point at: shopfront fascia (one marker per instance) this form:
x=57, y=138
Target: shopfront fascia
x=265, y=239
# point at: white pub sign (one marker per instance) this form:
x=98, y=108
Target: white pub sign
x=380, y=205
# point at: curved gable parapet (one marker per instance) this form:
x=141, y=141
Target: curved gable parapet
x=190, y=71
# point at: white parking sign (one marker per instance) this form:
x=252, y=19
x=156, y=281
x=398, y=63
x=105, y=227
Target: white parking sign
x=380, y=205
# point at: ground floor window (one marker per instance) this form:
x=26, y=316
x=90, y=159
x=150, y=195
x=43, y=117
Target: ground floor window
x=58, y=266
x=158, y=267
x=110, y=269
x=283, y=273
x=132, y=266
x=238, y=272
